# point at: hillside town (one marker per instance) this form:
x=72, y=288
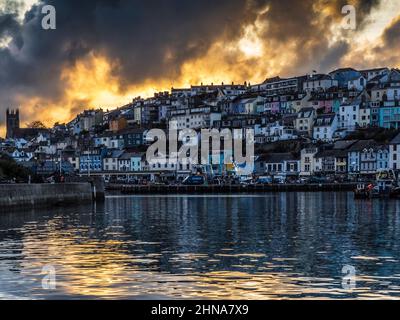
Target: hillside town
x=340, y=126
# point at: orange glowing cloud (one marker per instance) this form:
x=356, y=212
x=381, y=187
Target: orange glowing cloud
x=280, y=39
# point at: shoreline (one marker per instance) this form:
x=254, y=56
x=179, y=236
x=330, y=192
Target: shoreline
x=229, y=189
x=27, y=196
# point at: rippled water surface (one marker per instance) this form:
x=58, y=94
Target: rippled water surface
x=271, y=246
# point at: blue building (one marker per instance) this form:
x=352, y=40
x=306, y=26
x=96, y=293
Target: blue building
x=382, y=158
x=344, y=75
x=92, y=161
x=389, y=115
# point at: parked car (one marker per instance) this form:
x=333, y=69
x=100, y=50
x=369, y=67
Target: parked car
x=264, y=180
x=193, y=181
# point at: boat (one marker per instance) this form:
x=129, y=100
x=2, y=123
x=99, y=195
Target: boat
x=386, y=185
x=363, y=191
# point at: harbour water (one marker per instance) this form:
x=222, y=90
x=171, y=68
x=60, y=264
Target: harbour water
x=264, y=246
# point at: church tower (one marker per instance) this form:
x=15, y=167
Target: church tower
x=12, y=122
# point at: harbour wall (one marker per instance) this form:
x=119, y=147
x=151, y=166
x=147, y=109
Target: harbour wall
x=210, y=189
x=44, y=195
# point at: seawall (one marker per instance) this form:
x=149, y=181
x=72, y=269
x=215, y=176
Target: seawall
x=44, y=195
x=210, y=189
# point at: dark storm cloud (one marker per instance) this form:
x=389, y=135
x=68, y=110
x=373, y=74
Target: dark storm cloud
x=387, y=52
x=300, y=23
x=152, y=39
x=391, y=36
x=137, y=34
x=147, y=39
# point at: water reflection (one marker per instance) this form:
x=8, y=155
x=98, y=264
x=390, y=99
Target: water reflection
x=249, y=247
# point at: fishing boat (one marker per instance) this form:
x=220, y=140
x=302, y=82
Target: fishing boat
x=385, y=185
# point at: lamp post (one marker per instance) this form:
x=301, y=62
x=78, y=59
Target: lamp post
x=60, y=163
x=89, y=162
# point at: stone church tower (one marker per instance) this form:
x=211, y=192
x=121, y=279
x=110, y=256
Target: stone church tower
x=12, y=122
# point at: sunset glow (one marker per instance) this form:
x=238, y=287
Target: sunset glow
x=265, y=45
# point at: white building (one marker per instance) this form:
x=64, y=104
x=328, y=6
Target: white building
x=110, y=161
x=307, y=161
x=394, y=153
x=194, y=118
x=349, y=116
x=124, y=162
x=305, y=121
x=372, y=73
x=357, y=83
x=279, y=132
x=365, y=117
x=325, y=126
x=319, y=82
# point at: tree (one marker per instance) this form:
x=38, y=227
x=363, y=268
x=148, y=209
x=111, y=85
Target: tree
x=9, y=169
x=36, y=125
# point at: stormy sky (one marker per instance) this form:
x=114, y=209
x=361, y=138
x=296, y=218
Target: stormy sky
x=105, y=52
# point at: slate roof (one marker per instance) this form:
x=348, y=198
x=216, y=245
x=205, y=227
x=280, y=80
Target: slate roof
x=276, y=157
x=395, y=140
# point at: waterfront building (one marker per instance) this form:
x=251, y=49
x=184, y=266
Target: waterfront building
x=279, y=165
x=91, y=161
x=341, y=149
x=110, y=161
x=362, y=157
x=125, y=162
x=137, y=160
x=382, y=158
x=394, y=153
x=307, y=160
